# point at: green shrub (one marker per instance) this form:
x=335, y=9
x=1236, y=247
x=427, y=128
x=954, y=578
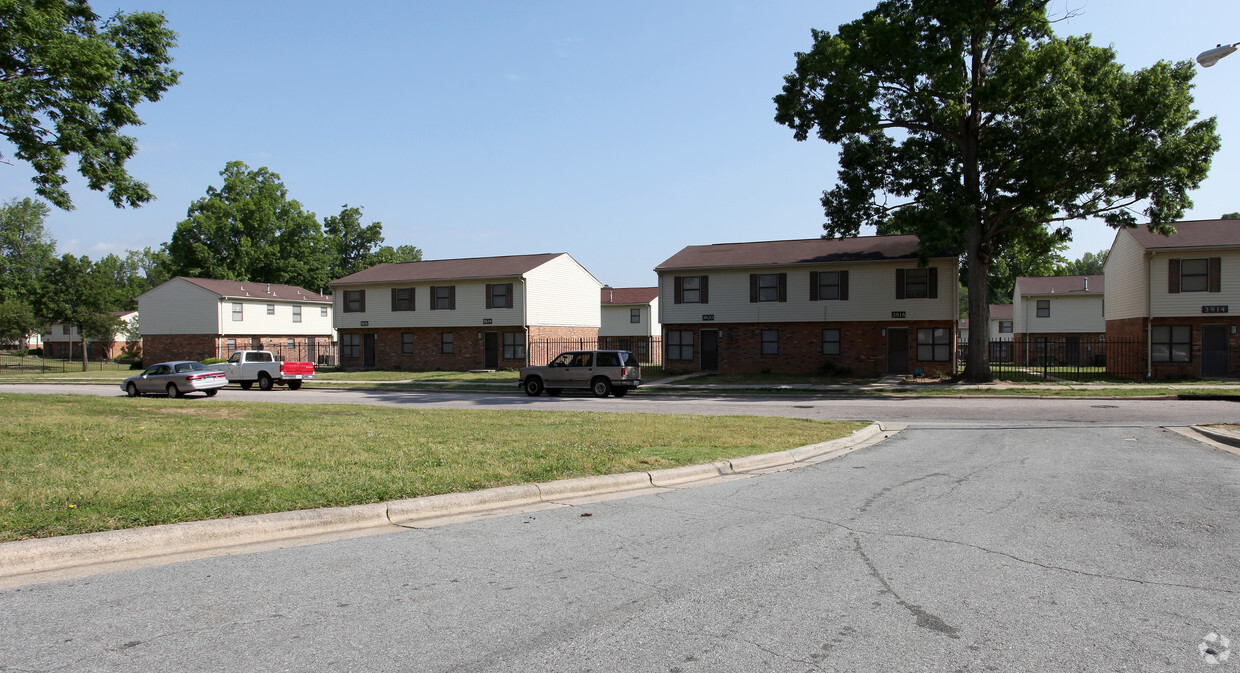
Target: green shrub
x=832, y=368
x=213, y=361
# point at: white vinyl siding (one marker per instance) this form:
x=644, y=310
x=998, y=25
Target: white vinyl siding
x=871, y=296
x=616, y=320
x=1069, y=314
x=470, y=308
x=180, y=307
x=561, y=293
x=1125, y=277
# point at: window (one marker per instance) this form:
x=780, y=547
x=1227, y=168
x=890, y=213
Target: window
x=292, y=343
x=499, y=295
x=447, y=343
x=354, y=301
x=1172, y=343
x=690, y=290
x=64, y=329
x=828, y=285
x=231, y=345
x=443, y=298
x=402, y=299
x=296, y=314
x=830, y=342
x=238, y=312
x=514, y=345
x=1044, y=308
x=1194, y=275
x=271, y=309
x=350, y=345
x=770, y=342
x=322, y=311
x=768, y=287
x=680, y=345
x=608, y=359
x=635, y=315
x=917, y=283
x=1005, y=327
x=934, y=344
x=406, y=343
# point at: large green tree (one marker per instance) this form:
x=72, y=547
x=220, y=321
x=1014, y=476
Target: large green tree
x=352, y=246
x=248, y=229
x=26, y=250
x=76, y=291
x=969, y=123
x=70, y=82
x=1090, y=264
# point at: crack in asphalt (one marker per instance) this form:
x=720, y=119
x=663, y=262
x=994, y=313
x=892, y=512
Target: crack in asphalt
x=925, y=619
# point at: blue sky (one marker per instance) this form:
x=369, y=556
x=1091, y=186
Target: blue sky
x=616, y=132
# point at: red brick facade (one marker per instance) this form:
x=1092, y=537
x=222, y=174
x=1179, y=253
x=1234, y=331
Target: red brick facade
x=164, y=347
x=1134, y=329
x=863, y=348
x=97, y=350
x=426, y=349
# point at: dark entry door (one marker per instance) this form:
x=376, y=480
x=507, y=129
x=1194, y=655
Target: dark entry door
x=897, y=351
x=710, y=350
x=368, y=350
x=1214, y=350
x=490, y=354
x=1072, y=351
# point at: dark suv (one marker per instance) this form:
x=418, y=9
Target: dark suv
x=603, y=372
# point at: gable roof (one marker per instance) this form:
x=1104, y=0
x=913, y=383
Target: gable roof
x=629, y=295
x=1192, y=234
x=1000, y=311
x=1059, y=285
x=805, y=251
x=245, y=290
x=450, y=269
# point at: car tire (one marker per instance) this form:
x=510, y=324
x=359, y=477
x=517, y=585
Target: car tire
x=554, y=392
x=131, y=390
x=246, y=385
x=533, y=386
x=619, y=392
x=211, y=393
x=294, y=385
x=601, y=387
x=173, y=391
x=264, y=381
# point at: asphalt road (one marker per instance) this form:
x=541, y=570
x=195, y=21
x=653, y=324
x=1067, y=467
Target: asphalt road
x=1049, y=535
x=1099, y=411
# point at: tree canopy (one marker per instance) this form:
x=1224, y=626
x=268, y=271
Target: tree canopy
x=249, y=230
x=76, y=291
x=969, y=123
x=352, y=247
x=70, y=81
x=1090, y=264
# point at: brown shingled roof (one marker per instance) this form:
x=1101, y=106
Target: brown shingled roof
x=233, y=288
x=806, y=251
x=1192, y=234
x=1000, y=311
x=1060, y=285
x=629, y=295
x=449, y=269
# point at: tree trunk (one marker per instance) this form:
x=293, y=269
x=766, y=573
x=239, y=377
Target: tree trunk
x=85, y=359
x=977, y=365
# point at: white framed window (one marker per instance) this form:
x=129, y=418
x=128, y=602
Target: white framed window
x=296, y=314
x=238, y=312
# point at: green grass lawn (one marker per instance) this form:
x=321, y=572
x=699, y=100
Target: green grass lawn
x=75, y=464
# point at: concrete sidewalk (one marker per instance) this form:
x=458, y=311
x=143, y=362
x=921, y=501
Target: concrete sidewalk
x=49, y=559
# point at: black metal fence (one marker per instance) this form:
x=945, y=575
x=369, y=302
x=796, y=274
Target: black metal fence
x=322, y=354
x=649, y=350
x=1062, y=358
x=12, y=363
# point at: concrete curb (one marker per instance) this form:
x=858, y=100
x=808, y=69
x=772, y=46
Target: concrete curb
x=1220, y=436
x=27, y=557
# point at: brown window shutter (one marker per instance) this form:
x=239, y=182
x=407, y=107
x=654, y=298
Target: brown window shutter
x=899, y=283
x=511, y=303
x=753, y=288
x=813, y=286
x=705, y=286
x=783, y=287
x=933, y=282
x=678, y=290
x=434, y=294
x=452, y=297
x=489, y=286
x=1173, y=276
x=1216, y=274
x=843, y=286
x=363, y=301
x=393, y=299
x=413, y=299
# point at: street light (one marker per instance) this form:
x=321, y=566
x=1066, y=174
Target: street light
x=1209, y=57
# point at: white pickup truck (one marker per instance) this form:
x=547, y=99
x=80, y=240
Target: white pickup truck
x=247, y=367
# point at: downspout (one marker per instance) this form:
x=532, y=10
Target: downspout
x=1149, y=317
